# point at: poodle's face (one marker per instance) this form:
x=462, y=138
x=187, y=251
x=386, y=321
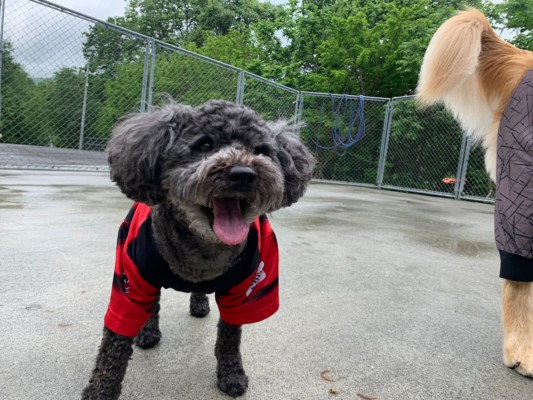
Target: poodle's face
x=220, y=164
x=223, y=172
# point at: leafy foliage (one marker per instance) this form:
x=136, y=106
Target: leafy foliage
x=515, y=18
x=17, y=88
x=428, y=139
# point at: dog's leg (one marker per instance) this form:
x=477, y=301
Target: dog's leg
x=150, y=335
x=111, y=363
x=231, y=378
x=199, y=305
x=518, y=326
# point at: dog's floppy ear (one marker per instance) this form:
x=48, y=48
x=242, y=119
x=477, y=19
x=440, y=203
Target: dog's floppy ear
x=136, y=151
x=296, y=161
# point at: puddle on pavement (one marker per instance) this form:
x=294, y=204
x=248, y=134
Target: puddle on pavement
x=457, y=246
x=311, y=221
x=10, y=206
x=10, y=198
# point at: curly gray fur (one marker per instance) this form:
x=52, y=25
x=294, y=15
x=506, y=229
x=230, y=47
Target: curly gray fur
x=150, y=335
x=231, y=378
x=111, y=363
x=199, y=305
x=179, y=160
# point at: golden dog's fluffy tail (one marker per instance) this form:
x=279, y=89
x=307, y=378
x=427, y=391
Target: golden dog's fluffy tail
x=474, y=72
x=452, y=56
x=450, y=71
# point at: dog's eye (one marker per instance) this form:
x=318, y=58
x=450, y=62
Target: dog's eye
x=264, y=150
x=204, y=145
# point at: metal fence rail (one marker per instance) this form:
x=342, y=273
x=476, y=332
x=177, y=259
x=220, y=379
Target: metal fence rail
x=61, y=91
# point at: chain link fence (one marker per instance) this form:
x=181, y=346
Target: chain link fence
x=190, y=78
x=272, y=100
x=423, y=149
x=345, y=134
x=477, y=184
x=66, y=78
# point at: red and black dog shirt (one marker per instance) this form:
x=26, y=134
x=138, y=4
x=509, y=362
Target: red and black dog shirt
x=246, y=293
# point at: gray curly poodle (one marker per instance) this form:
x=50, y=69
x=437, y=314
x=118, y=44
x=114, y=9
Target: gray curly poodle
x=202, y=179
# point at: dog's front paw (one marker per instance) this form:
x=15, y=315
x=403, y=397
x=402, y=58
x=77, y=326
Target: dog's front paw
x=148, y=337
x=233, y=382
x=92, y=392
x=519, y=358
x=199, y=305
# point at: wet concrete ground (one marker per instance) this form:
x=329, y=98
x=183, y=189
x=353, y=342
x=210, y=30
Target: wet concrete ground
x=383, y=294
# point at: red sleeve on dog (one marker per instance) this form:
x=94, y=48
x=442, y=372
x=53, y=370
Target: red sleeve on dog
x=131, y=296
x=256, y=298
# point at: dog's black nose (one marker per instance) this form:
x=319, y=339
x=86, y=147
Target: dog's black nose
x=242, y=177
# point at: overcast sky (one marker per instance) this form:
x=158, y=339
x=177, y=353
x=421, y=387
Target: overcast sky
x=44, y=40
x=101, y=9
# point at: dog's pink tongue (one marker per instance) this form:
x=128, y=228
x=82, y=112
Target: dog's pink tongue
x=230, y=226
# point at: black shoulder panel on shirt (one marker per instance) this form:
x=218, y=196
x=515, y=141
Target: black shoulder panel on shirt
x=155, y=270
x=143, y=251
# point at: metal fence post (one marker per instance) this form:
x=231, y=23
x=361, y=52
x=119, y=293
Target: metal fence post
x=300, y=114
x=296, y=113
x=239, y=99
x=84, y=110
x=152, y=73
x=387, y=126
x=462, y=166
x=142, y=107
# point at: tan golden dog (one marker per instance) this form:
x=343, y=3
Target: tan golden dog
x=481, y=78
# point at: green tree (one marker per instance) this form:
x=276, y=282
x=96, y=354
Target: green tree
x=121, y=95
x=198, y=82
x=515, y=18
x=171, y=21
x=186, y=23
x=370, y=47
x=234, y=48
x=65, y=105
x=105, y=49
x=35, y=114
x=16, y=90
x=423, y=147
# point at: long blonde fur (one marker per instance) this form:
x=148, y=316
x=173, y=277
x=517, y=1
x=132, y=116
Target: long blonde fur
x=474, y=72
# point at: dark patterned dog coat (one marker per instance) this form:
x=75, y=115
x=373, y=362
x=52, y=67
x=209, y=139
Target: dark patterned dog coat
x=513, y=218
